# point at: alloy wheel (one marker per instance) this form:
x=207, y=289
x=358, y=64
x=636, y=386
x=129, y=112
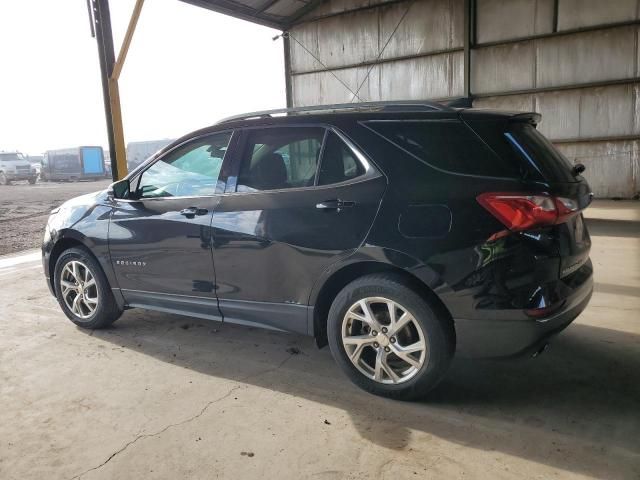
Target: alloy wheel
x=383, y=340
x=79, y=289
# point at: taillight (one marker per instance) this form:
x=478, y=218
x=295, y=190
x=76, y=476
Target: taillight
x=520, y=212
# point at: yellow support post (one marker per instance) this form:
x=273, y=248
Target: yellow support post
x=124, y=49
x=118, y=129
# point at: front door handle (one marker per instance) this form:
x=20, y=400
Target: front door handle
x=335, y=204
x=191, y=212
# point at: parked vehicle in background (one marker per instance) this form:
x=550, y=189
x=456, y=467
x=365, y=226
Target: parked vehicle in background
x=15, y=166
x=107, y=163
x=72, y=164
x=36, y=163
x=398, y=234
x=138, y=152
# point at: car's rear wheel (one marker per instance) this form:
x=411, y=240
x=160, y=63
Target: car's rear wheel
x=388, y=339
x=83, y=291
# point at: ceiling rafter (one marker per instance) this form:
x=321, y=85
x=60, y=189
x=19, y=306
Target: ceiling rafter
x=260, y=14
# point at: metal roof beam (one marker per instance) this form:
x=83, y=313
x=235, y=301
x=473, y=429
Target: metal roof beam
x=237, y=10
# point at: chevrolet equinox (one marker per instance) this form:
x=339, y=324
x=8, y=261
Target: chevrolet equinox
x=399, y=234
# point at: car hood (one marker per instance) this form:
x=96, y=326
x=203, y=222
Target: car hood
x=71, y=211
x=88, y=199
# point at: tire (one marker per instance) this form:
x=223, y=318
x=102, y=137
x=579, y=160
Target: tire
x=422, y=370
x=98, y=295
x=3, y=179
x=32, y=181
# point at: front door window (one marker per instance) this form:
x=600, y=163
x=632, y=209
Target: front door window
x=191, y=170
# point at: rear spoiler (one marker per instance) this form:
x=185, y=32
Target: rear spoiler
x=481, y=114
x=530, y=117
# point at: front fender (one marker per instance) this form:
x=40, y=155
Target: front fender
x=73, y=226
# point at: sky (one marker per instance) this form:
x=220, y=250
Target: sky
x=187, y=68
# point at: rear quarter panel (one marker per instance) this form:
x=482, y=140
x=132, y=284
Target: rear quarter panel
x=469, y=272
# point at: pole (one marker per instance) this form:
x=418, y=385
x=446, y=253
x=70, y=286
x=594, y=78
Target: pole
x=104, y=40
x=286, y=42
x=110, y=70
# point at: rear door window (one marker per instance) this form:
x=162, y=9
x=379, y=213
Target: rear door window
x=280, y=158
x=447, y=145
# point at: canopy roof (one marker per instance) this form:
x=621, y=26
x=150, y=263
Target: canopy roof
x=279, y=14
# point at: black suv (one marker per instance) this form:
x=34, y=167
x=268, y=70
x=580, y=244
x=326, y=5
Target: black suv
x=397, y=233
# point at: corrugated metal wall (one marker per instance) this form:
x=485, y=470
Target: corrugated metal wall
x=575, y=61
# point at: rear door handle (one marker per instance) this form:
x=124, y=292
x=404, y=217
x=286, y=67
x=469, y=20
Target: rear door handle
x=191, y=212
x=335, y=204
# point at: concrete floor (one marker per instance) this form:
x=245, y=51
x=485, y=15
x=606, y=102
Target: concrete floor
x=160, y=396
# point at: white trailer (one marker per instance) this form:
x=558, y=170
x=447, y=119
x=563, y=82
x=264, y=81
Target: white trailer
x=138, y=152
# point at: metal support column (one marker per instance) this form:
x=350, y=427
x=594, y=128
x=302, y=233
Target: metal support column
x=101, y=20
x=469, y=41
x=286, y=42
x=111, y=69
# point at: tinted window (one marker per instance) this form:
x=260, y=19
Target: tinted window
x=338, y=163
x=277, y=158
x=190, y=170
x=528, y=142
x=447, y=145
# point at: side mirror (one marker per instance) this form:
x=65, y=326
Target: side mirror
x=119, y=189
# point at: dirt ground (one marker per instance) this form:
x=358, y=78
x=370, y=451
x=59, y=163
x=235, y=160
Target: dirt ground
x=165, y=397
x=24, y=210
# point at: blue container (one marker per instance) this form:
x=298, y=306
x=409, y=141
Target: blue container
x=92, y=161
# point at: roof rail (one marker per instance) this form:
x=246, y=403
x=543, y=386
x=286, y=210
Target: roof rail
x=398, y=106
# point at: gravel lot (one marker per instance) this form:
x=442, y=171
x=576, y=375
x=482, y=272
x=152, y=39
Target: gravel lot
x=24, y=210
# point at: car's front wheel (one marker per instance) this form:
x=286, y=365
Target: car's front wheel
x=388, y=339
x=83, y=290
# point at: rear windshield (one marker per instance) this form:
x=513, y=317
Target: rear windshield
x=520, y=141
x=447, y=145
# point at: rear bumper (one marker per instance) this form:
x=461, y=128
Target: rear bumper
x=521, y=335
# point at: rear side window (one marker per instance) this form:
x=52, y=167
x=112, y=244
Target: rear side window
x=447, y=145
x=339, y=163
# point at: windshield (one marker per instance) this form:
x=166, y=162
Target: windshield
x=11, y=157
x=523, y=145
x=535, y=147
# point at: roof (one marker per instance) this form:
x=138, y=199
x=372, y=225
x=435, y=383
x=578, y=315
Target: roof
x=279, y=14
x=363, y=107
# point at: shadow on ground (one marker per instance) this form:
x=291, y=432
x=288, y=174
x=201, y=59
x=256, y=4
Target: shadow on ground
x=583, y=395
